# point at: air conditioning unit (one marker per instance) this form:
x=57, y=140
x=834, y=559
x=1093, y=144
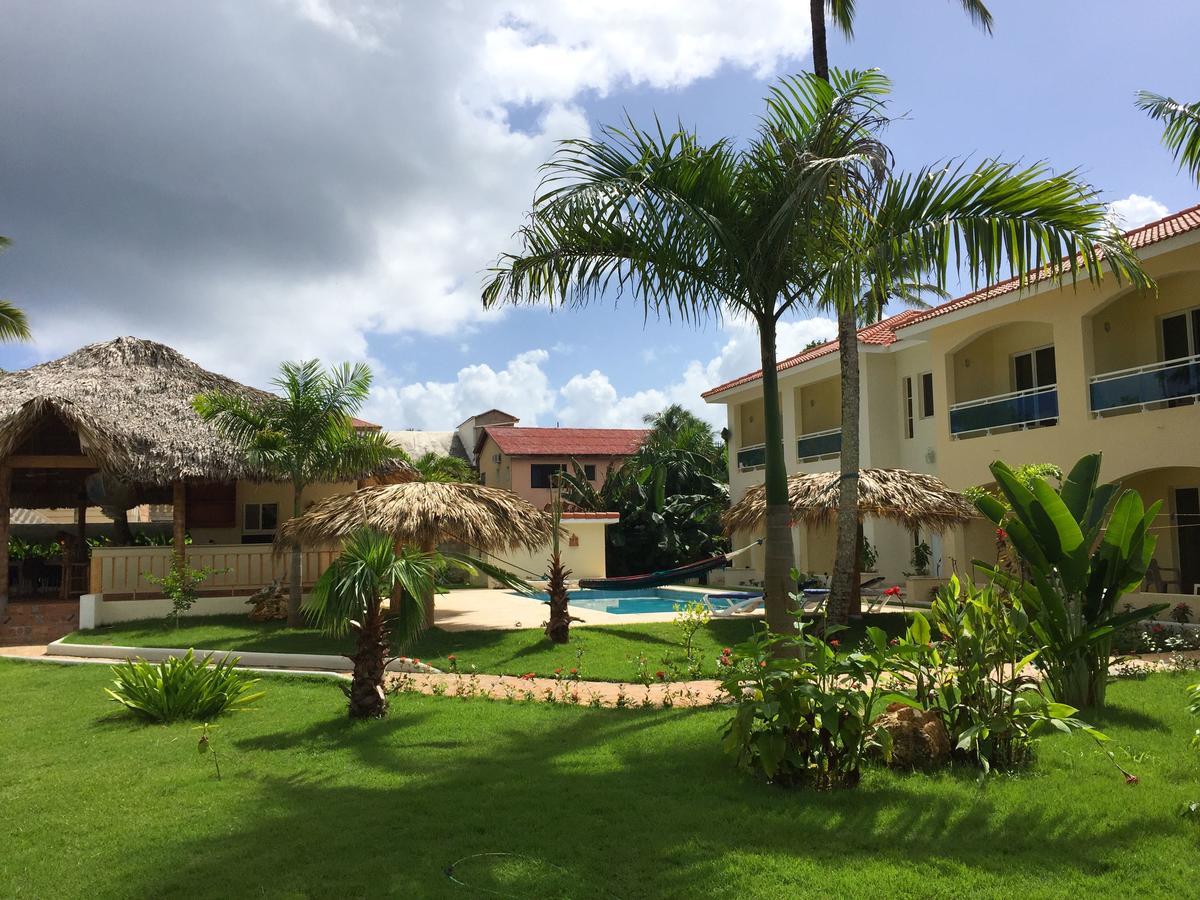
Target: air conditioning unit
x=496, y=458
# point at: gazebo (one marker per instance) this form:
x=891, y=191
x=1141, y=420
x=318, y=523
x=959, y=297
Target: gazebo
x=110, y=422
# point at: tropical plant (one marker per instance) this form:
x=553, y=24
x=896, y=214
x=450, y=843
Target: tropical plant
x=1194, y=709
x=182, y=687
x=971, y=665
x=807, y=210
x=351, y=593
x=804, y=707
x=922, y=555
x=13, y=324
x=690, y=619
x=1182, y=133
x=440, y=467
x=180, y=583
x=558, y=626
x=1075, y=569
x=305, y=436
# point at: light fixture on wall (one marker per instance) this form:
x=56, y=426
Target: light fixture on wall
x=1107, y=327
x=967, y=363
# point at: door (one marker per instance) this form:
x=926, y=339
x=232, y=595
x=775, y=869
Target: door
x=1180, y=336
x=1187, y=530
x=1035, y=369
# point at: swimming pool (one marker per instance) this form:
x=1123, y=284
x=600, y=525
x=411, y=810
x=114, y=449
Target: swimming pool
x=647, y=600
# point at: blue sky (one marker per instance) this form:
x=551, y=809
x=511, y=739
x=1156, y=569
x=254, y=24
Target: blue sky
x=251, y=187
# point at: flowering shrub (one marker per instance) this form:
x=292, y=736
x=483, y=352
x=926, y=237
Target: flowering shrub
x=803, y=713
x=1181, y=613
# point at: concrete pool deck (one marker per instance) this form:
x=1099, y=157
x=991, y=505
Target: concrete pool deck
x=471, y=609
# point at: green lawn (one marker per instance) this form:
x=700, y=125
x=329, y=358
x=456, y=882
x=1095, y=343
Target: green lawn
x=600, y=652
x=555, y=801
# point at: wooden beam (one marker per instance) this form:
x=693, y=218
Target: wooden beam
x=5, y=498
x=179, y=519
x=50, y=461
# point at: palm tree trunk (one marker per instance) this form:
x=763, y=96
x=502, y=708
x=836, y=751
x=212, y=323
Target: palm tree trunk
x=367, y=697
x=779, y=556
x=816, y=10
x=427, y=601
x=121, y=533
x=294, y=618
x=844, y=595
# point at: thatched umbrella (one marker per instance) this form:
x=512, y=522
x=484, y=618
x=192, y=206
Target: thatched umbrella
x=424, y=514
x=912, y=499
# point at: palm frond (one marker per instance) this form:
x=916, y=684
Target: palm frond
x=1182, y=133
x=13, y=324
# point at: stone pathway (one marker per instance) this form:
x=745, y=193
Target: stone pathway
x=555, y=690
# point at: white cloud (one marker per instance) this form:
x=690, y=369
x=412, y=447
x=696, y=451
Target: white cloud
x=523, y=388
x=272, y=180
x=1135, y=210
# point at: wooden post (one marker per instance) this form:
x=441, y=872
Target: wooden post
x=178, y=520
x=5, y=499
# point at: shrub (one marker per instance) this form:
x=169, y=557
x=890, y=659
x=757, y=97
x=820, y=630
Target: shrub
x=1181, y=613
x=179, y=585
x=972, y=676
x=1194, y=707
x=689, y=619
x=807, y=721
x=182, y=688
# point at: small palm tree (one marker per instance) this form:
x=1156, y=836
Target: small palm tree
x=558, y=627
x=306, y=436
x=1182, y=133
x=439, y=467
x=13, y=325
x=351, y=594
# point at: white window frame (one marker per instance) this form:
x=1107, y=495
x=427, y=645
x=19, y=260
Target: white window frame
x=1032, y=354
x=1189, y=322
x=258, y=518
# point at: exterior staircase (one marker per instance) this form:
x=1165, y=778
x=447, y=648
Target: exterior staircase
x=38, y=622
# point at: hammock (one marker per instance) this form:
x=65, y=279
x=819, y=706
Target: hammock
x=665, y=576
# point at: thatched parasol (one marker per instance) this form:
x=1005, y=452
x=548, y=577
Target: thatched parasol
x=425, y=514
x=912, y=499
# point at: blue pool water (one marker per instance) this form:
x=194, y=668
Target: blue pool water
x=645, y=600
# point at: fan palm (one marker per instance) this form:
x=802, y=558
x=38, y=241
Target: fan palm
x=306, y=436
x=807, y=210
x=442, y=468
x=13, y=325
x=1182, y=132
x=350, y=594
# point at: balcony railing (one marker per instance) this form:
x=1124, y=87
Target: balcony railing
x=1019, y=409
x=754, y=457
x=819, y=444
x=1143, y=386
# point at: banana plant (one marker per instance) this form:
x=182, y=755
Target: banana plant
x=1076, y=568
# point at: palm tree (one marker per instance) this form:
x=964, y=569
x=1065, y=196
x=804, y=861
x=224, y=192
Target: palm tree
x=306, y=436
x=1182, y=134
x=13, y=325
x=844, y=586
x=442, y=468
x=351, y=593
x=558, y=625
x=698, y=230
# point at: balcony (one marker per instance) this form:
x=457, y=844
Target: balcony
x=819, y=445
x=1019, y=409
x=1142, y=387
x=754, y=457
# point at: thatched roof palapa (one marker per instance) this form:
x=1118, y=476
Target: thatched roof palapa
x=912, y=499
x=424, y=514
x=130, y=402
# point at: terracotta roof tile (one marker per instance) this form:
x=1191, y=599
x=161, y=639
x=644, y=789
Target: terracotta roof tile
x=884, y=333
x=517, y=441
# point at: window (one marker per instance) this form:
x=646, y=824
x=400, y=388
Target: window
x=1034, y=369
x=541, y=475
x=589, y=472
x=1181, y=334
x=908, y=408
x=483, y=478
x=260, y=517
x=926, y=395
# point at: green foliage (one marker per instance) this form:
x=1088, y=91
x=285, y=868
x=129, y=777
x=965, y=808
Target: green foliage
x=13, y=324
x=804, y=707
x=180, y=583
x=670, y=495
x=868, y=556
x=1075, y=569
x=440, y=467
x=1182, y=132
x=1194, y=709
x=182, y=688
x=691, y=618
x=1025, y=474
x=921, y=556
x=969, y=664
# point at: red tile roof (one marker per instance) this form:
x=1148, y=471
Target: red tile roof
x=607, y=516
x=884, y=333
x=363, y=425
x=516, y=441
x=881, y=334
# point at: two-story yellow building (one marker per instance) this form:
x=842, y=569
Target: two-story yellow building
x=1045, y=374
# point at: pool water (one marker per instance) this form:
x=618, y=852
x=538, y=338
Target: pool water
x=644, y=600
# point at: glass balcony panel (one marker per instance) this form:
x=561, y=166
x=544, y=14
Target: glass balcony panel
x=1038, y=406
x=819, y=443
x=752, y=457
x=1163, y=382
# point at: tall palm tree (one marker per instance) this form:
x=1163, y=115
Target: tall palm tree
x=351, y=593
x=1182, y=132
x=306, y=436
x=695, y=230
x=844, y=595
x=13, y=325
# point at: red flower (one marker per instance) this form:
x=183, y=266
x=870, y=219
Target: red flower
x=1001, y=534
x=893, y=642
x=893, y=591
x=417, y=661
x=763, y=664
x=451, y=657
x=726, y=652
x=558, y=671
x=1130, y=779
x=574, y=672
x=660, y=675
x=835, y=643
